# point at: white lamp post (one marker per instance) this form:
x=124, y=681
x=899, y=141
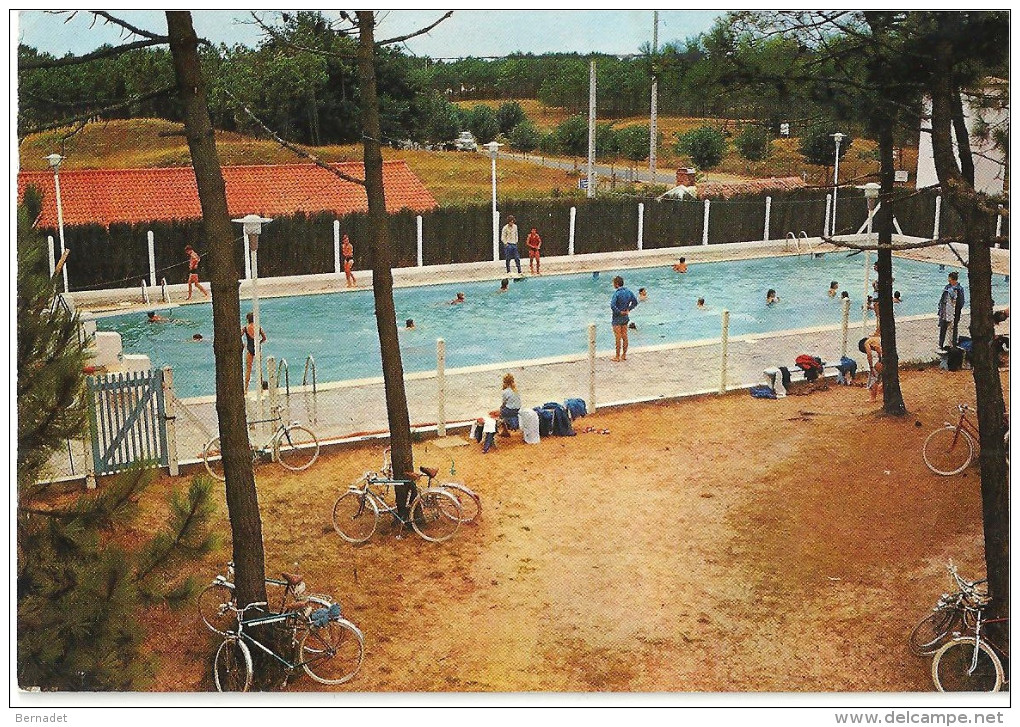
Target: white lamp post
x=252, y=229
x=493, y=148
x=54, y=161
x=835, y=179
x=870, y=194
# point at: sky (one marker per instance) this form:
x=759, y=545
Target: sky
x=468, y=32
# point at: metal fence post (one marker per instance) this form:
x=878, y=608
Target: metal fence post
x=591, y=368
x=170, y=412
x=441, y=387
x=845, y=326
x=496, y=236
x=152, y=258
x=570, y=244
x=271, y=378
x=421, y=257
x=337, y=268
x=725, y=350
x=768, y=217
x=640, y=225
x=828, y=212
x=704, y=232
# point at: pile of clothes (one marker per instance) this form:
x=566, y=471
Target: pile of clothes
x=550, y=419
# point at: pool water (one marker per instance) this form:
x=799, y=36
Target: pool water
x=537, y=317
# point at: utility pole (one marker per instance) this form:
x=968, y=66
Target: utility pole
x=591, y=131
x=652, y=145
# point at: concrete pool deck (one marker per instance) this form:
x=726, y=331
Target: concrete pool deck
x=341, y=411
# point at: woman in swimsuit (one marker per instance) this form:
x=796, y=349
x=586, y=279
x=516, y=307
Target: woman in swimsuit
x=347, y=249
x=249, y=343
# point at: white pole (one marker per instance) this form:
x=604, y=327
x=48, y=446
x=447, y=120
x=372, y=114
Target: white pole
x=441, y=387
x=835, y=182
x=591, y=368
x=60, y=223
x=170, y=413
x=257, y=325
x=938, y=217
x=640, y=225
x=845, y=326
x=337, y=267
x=867, y=285
x=49, y=249
x=573, y=219
x=272, y=377
x=768, y=216
x=495, y=214
x=421, y=257
x=654, y=125
x=828, y=213
x=704, y=231
x=724, y=349
x=591, y=131
x=152, y=258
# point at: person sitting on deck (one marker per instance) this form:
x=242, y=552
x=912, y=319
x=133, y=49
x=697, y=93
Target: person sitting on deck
x=511, y=406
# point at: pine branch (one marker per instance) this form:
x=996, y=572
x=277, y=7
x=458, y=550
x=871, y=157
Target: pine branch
x=422, y=31
x=97, y=111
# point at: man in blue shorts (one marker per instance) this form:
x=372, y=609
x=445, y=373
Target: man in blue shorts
x=622, y=303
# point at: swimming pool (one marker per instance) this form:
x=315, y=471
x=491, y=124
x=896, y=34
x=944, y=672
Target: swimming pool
x=537, y=317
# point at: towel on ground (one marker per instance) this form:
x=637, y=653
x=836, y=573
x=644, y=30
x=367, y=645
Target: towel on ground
x=561, y=421
x=529, y=426
x=576, y=408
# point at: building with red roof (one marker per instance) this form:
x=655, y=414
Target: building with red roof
x=131, y=196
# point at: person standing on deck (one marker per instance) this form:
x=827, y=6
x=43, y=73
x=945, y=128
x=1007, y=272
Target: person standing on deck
x=534, y=243
x=347, y=250
x=622, y=303
x=950, y=307
x=249, y=343
x=509, y=239
x=193, y=260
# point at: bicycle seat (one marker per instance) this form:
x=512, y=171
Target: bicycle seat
x=292, y=579
x=430, y=472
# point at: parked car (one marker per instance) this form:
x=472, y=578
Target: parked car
x=465, y=141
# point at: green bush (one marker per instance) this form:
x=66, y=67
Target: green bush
x=525, y=137
x=705, y=146
x=753, y=143
x=818, y=146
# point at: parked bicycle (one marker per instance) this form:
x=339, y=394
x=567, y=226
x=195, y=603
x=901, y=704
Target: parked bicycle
x=294, y=446
x=435, y=514
x=327, y=646
x=972, y=661
x=470, y=502
x=949, y=450
x=215, y=602
x=950, y=612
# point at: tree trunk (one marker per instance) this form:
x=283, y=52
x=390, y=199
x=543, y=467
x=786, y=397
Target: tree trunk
x=892, y=397
x=988, y=387
x=382, y=276
x=241, y=496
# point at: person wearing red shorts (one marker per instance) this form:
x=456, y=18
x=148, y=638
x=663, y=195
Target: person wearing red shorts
x=534, y=243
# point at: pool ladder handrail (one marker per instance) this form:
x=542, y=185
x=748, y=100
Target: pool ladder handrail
x=796, y=242
x=145, y=293
x=309, y=364
x=804, y=236
x=166, y=293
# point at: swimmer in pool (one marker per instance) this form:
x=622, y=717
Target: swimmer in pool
x=681, y=265
x=833, y=287
x=504, y=285
x=458, y=299
x=154, y=318
x=642, y=295
x=701, y=304
x=409, y=324
x=771, y=297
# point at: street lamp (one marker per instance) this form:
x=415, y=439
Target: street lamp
x=54, y=161
x=493, y=148
x=252, y=225
x=835, y=179
x=871, y=195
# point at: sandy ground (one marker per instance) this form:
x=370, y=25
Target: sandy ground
x=715, y=544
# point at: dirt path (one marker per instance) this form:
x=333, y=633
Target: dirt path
x=716, y=544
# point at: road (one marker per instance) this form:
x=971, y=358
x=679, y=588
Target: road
x=624, y=173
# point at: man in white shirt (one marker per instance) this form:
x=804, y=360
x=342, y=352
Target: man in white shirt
x=509, y=239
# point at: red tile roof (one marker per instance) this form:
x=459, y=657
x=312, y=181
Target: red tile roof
x=725, y=190
x=105, y=196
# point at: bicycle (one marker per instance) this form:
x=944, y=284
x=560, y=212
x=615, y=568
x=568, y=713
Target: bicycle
x=952, y=609
x=216, y=600
x=327, y=646
x=470, y=502
x=972, y=662
x=294, y=446
x=435, y=514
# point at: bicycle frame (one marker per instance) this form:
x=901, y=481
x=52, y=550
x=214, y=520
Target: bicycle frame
x=965, y=424
x=379, y=500
x=978, y=636
x=274, y=618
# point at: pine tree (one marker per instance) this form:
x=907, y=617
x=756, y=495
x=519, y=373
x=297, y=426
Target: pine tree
x=79, y=590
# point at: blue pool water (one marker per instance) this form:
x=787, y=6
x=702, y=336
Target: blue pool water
x=537, y=317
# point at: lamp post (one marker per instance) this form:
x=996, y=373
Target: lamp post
x=54, y=161
x=493, y=148
x=252, y=225
x=835, y=180
x=871, y=195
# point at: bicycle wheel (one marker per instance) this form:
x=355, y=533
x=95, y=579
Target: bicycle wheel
x=470, y=502
x=213, y=457
x=214, y=608
x=355, y=517
x=951, y=667
x=435, y=515
x=946, y=452
x=933, y=630
x=332, y=654
x=298, y=448
x=232, y=667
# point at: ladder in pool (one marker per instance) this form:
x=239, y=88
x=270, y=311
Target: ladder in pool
x=796, y=241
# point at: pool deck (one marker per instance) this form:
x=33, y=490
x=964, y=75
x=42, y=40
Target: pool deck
x=354, y=410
